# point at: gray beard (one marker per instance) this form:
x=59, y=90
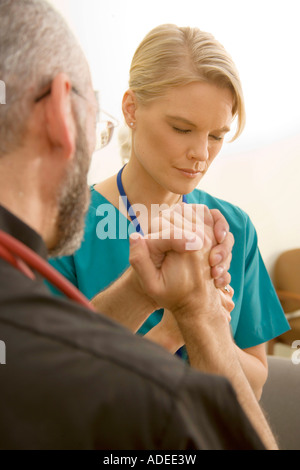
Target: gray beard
x=73, y=201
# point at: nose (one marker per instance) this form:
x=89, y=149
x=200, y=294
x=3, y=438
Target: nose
x=199, y=150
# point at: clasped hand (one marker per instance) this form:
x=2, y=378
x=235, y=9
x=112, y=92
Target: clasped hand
x=178, y=271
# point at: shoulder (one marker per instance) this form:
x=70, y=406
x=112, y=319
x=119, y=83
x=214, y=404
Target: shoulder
x=96, y=198
x=201, y=197
x=108, y=190
x=97, y=206
x=236, y=217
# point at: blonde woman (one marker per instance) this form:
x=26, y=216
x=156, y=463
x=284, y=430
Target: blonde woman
x=184, y=95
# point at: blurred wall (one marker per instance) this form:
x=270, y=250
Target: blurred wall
x=265, y=182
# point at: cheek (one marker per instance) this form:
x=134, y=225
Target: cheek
x=151, y=142
x=214, y=151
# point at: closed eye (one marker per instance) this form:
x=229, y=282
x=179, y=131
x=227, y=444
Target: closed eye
x=215, y=137
x=181, y=131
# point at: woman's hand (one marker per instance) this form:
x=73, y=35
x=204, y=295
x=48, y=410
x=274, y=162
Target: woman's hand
x=226, y=296
x=221, y=252
x=220, y=255
x=172, y=263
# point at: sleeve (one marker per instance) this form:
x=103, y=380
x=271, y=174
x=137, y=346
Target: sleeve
x=261, y=317
x=66, y=266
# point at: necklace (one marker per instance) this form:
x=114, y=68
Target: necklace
x=127, y=204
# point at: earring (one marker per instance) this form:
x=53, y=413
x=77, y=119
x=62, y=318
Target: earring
x=131, y=124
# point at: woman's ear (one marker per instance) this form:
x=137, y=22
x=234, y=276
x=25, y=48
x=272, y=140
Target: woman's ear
x=61, y=126
x=129, y=106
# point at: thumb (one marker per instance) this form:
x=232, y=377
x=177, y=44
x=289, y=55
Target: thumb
x=140, y=260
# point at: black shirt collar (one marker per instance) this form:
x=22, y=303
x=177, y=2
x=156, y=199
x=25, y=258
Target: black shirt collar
x=11, y=224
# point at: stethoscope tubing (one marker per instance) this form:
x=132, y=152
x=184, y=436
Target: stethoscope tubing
x=23, y=258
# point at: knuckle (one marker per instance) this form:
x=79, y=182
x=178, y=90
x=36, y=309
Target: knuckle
x=223, y=251
x=227, y=278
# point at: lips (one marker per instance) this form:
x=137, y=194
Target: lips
x=190, y=173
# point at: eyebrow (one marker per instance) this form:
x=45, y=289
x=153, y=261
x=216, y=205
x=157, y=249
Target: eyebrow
x=182, y=119
x=189, y=123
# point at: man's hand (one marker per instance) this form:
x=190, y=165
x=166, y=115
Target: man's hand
x=220, y=255
x=167, y=332
x=132, y=298
x=174, y=270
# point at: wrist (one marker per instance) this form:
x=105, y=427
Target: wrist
x=204, y=304
x=134, y=288
x=125, y=302
x=203, y=323
x=209, y=344
x=159, y=336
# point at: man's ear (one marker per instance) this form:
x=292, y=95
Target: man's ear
x=129, y=106
x=60, y=123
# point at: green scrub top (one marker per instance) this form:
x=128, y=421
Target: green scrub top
x=104, y=256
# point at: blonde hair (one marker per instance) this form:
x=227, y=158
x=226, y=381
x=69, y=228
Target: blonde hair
x=171, y=56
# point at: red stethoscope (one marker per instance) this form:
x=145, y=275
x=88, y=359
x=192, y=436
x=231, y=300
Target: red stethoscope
x=24, y=259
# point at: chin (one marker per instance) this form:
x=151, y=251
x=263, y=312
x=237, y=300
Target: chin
x=66, y=246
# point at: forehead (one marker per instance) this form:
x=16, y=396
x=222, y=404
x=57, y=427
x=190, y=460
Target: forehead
x=196, y=100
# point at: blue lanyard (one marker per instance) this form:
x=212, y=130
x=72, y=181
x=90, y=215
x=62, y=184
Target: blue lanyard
x=127, y=204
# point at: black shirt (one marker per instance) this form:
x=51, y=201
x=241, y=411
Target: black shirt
x=74, y=379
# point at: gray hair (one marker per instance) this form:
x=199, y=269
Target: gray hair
x=35, y=45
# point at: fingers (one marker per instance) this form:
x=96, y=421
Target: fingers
x=148, y=253
x=222, y=281
x=187, y=227
x=221, y=253
x=192, y=222
x=184, y=217
x=221, y=227
x=220, y=269
x=226, y=295
x=164, y=241
x=228, y=290
x=165, y=271
x=220, y=258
